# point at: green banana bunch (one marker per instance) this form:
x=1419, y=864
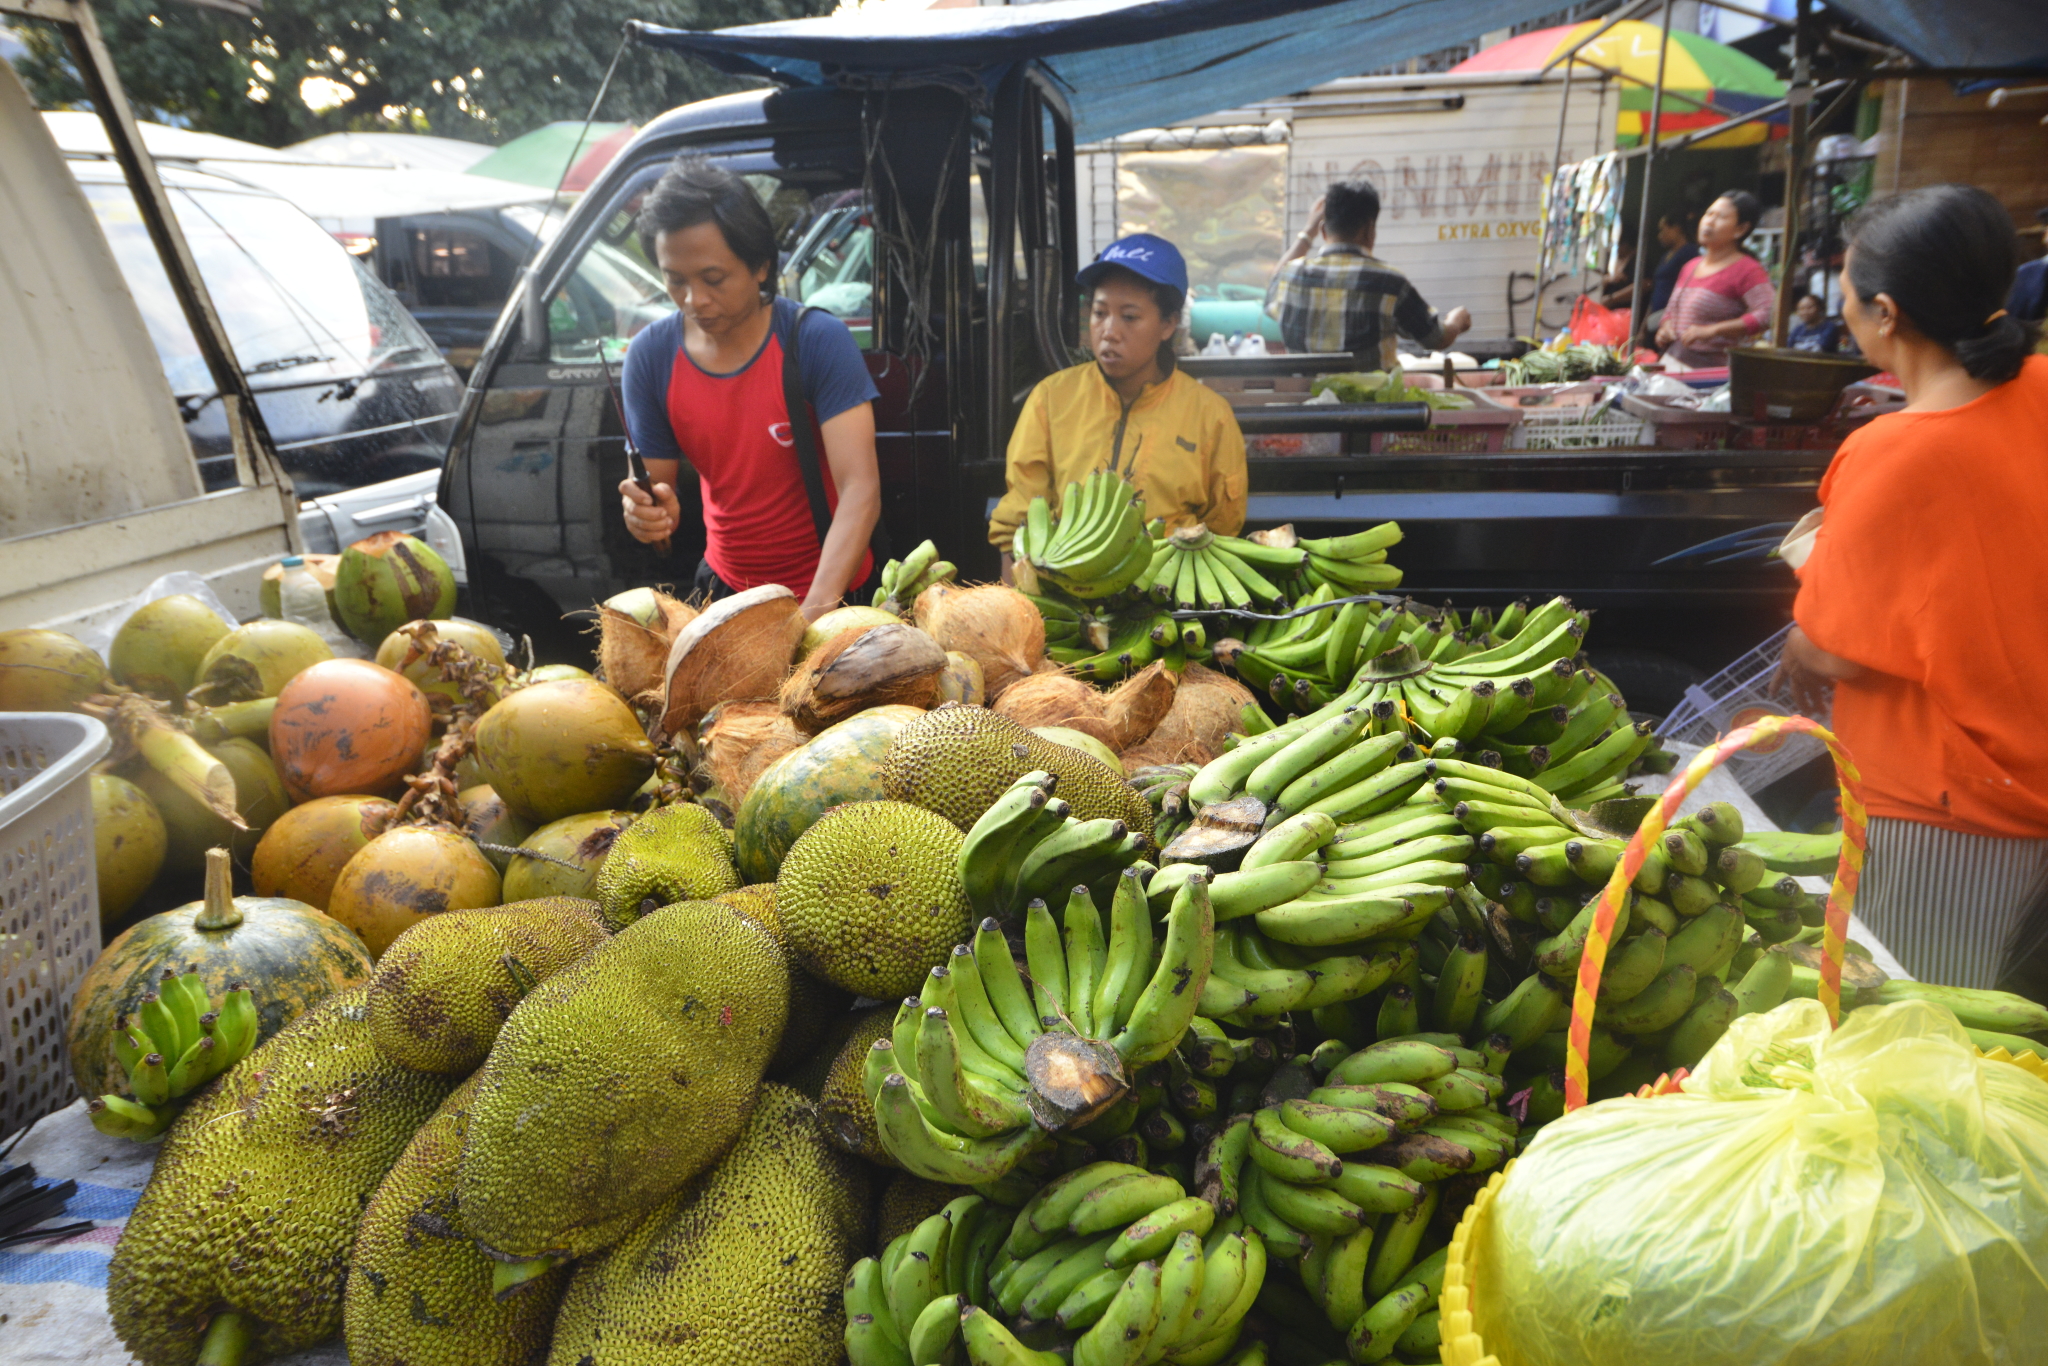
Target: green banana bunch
x=1196, y=570
x=982, y=1069
x=178, y=1041
x=1353, y=564
x=904, y=579
x=1129, y=643
x=1028, y=845
x=1097, y=547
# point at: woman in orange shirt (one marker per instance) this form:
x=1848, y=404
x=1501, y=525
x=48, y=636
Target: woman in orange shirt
x=1924, y=601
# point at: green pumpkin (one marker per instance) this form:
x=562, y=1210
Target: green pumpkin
x=841, y=764
x=288, y=955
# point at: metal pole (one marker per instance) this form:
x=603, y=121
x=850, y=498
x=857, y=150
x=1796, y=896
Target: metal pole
x=1636, y=311
x=1800, y=99
x=1556, y=165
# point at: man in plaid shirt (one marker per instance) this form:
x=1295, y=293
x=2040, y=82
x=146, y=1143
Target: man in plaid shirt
x=1345, y=299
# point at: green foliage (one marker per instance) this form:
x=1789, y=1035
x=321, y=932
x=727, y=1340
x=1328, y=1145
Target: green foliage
x=485, y=70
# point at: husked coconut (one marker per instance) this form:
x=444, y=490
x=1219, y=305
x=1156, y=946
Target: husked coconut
x=1057, y=699
x=737, y=649
x=866, y=666
x=1207, y=706
x=994, y=625
x=738, y=740
x=635, y=630
x=1136, y=706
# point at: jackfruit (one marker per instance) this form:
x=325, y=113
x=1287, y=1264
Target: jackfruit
x=956, y=760
x=870, y=897
x=419, y=1291
x=744, y=1268
x=813, y=1005
x=241, y=1239
x=620, y=1078
x=671, y=854
x=808, y=1073
x=843, y=1104
x=444, y=987
x=907, y=1201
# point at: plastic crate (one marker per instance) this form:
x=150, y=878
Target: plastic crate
x=1739, y=694
x=1571, y=417
x=1678, y=429
x=1476, y=430
x=49, y=901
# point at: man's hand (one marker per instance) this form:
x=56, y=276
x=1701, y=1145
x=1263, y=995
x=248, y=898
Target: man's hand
x=1456, y=323
x=650, y=519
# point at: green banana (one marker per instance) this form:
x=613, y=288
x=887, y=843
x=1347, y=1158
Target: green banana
x=1341, y=1129
x=985, y=852
x=1410, y=1061
x=1117, y=1204
x=1400, y=1102
x=1128, y=953
x=1687, y=852
x=1315, y=1210
x=1031, y=1299
x=1527, y=1013
x=1455, y=848
x=120, y=1117
x=1658, y=1006
x=1708, y=941
x=1170, y=999
x=1460, y=985
x=1293, y=839
x=1997, y=1011
x=1043, y=1219
x=1400, y=1239
x=1422, y=1157
x=1002, y=985
x=1288, y=1156
x=924, y=1151
x=1151, y=1235
x=1120, y=1336
x=1307, y=751
x=1410, y=824
x=990, y=1344
x=1087, y=1302
x=913, y=1282
x=1181, y=1272
x=1701, y=1027
x=1632, y=965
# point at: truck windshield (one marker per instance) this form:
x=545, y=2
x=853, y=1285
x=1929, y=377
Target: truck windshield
x=296, y=305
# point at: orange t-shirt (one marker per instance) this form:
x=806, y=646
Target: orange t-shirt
x=1929, y=570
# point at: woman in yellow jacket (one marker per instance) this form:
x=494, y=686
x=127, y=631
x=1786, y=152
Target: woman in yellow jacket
x=1131, y=409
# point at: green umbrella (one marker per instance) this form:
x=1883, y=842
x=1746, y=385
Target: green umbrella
x=544, y=155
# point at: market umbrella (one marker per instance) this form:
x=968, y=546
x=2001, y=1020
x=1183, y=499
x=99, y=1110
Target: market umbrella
x=1699, y=74
x=541, y=157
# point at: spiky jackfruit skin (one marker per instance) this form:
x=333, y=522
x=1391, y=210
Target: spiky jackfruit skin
x=905, y=1202
x=957, y=759
x=444, y=988
x=419, y=1291
x=814, y=1005
x=843, y=1104
x=620, y=1078
x=744, y=1268
x=870, y=897
x=255, y=1198
x=673, y=853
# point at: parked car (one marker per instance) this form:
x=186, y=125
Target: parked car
x=352, y=389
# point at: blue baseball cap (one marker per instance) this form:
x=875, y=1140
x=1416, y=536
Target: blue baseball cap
x=1154, y=258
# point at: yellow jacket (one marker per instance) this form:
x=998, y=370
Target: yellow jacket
x=1179, y=441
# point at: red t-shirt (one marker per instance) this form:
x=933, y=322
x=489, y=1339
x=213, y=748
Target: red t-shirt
x=1926, y=572
x=733, y=430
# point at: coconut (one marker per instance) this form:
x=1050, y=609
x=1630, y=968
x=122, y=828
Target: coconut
x=348, y=726
x=402, y=654
x=737, y=649
x=996, y=626
x=407, y=874
x=1138, y=704
x=556, y=673
x=557, y=749
x=635, y=630
x=962, y=680
x=1057, y=699
x=161, y=646
x=1207, y=706
x=1074, y=739
x=582, y=840
x=191, y=828
x=867, y=666
x=837, y=620
x=386, y=580
x=270, y=592
x=257, y=660
x=128, y=843
x=49, y=671
x=740, y=739
x=487, y=820
x=305, y=850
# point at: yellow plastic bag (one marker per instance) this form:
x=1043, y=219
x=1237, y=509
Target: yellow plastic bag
x=1878, y=1194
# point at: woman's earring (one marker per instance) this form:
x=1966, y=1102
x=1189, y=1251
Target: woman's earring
x=766, y=297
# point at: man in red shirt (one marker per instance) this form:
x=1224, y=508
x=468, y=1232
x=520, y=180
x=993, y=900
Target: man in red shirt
x=704, y=386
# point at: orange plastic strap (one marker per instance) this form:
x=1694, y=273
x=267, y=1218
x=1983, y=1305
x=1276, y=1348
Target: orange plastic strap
x=1841, y=900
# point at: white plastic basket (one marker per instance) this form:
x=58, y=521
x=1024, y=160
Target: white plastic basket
x=49, y=901
x=1574, y=417
x=1734, y=697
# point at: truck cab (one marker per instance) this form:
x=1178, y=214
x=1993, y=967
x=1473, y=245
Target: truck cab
x=953, y=226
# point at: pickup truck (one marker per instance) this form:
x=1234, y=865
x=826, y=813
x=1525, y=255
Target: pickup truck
x=971, y=216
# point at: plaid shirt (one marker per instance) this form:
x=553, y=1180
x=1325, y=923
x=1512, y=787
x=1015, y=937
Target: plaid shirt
x=1344, y=300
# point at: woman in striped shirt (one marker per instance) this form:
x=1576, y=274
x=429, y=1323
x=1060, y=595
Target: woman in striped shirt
x=1723, y=295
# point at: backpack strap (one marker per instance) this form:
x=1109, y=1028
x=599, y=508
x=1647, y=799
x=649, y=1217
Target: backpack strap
x=788, y=322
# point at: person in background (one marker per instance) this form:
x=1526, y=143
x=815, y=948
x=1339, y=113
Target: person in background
x=704, y=390
x=1618, y=286
x=1723, y=295
x=1675, y=244
x=1919, y=601
x=1343, y=298
x=2029, y=298
x=1812, y=329
x=1131, y=409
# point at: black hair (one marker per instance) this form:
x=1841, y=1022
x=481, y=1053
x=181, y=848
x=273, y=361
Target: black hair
x=1685, y=219
x=1170, y=300
x=695, y=190
x=1747, y=209
x=1350, y=207
x=1946, y=254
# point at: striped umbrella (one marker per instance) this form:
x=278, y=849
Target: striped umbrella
x=1702, y=78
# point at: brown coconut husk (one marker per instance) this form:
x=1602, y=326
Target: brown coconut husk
x=1207, y=706
x=634, y=654
x=863, y=667
x=1139, y=703
x=995, y=625
x=1057, y=699
x=735, y=650
x=738, y=740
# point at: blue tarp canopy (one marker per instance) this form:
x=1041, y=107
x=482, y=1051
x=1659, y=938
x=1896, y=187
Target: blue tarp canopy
x=1129, y=64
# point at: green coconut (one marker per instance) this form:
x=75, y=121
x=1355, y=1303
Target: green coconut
x=837, y=620
x=192, y=829
x=559, y=749
x=163, y=645
x=47, y=671
x=487, y=820
x=582, y=840
x=556, y=673
x=257, y=660
x=401, y=654
x=388, y=579
x=128, y=840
